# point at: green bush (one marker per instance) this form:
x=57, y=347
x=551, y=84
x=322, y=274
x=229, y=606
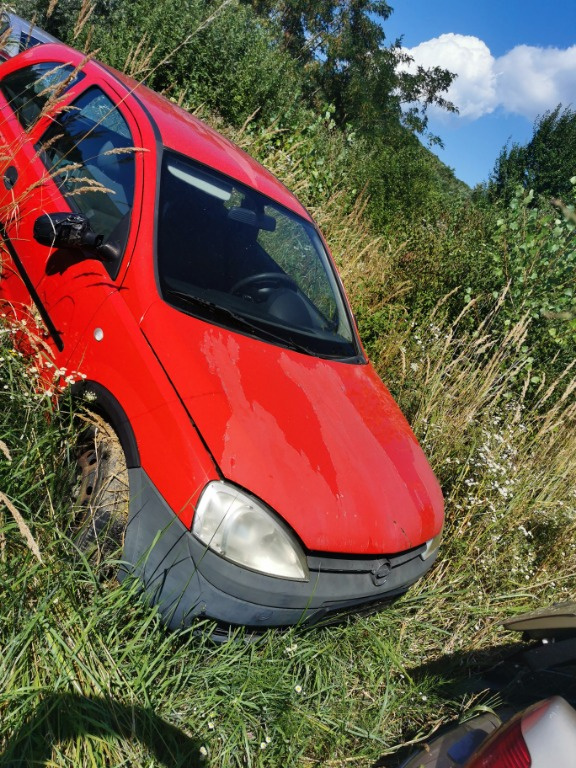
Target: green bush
x=535, y=254
x=214, y=54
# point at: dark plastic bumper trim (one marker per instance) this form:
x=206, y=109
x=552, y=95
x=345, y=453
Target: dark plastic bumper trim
x=187, y=581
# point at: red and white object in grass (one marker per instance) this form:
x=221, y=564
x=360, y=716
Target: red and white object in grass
x=542, y=736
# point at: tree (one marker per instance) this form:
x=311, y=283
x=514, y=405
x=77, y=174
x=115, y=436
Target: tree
x=341, y=44
x=545, y=165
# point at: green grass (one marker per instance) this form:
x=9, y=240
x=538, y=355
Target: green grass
x=90, y=677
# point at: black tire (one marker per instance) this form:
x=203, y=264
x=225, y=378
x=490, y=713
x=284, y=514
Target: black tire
x=102, y=498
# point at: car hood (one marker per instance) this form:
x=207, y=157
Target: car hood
x=321, y=442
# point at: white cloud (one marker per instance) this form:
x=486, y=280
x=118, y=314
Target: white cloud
x=533, y=80
x=525, y=81
x=474, y=90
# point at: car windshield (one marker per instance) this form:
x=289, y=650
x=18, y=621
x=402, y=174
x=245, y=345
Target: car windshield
x=232, y=256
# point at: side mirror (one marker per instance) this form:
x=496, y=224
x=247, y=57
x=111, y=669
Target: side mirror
x=66, y=230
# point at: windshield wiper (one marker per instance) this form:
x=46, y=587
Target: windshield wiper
x=218, y=311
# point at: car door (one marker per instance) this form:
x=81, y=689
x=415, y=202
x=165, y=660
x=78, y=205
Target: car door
x=71, y=147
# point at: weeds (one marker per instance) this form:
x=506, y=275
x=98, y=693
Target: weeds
x=88, y=674
x=98, y=680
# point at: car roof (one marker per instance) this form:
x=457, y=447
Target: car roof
x=185, y=133
x=18, y=34
x=177, y=129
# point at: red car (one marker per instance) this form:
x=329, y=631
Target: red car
x=272, y=478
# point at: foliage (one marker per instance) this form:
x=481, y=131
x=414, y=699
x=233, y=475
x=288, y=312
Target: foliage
x=221, y=58
x=403, y=180
x=472, y=252
x=545, y=164
x=341, y=45
x=535, y=255
x=58, y=20
x=467, y=252
x=462, y=304
x=328, y=29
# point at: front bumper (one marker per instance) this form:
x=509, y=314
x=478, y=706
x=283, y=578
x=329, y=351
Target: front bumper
x=187, y=581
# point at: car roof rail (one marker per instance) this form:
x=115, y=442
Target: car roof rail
x=20, y=35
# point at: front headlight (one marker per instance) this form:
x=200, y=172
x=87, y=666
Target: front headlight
x=432, y=545
x=243, y=530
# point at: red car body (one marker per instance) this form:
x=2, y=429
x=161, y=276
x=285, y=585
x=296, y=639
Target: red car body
x=311, y=437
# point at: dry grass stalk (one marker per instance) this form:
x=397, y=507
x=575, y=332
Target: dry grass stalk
x=84, y=14
x=22, y=527
x=5, y=450
x=139, y=60
x=56, y=92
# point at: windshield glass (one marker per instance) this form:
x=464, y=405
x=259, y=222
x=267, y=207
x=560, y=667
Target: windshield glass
x=232, y=256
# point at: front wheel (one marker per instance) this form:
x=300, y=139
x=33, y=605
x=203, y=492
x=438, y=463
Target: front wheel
x=103, y=495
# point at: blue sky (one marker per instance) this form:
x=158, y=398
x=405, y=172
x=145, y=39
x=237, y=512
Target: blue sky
x=515, y=59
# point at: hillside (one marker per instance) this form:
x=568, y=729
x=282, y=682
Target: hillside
x=465, y=305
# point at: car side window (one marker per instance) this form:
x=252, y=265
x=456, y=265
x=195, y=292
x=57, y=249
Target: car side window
x=30, y=90
x=89, y=152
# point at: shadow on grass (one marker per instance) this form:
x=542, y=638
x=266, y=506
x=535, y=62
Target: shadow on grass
x=521, y=673
x=59, y=718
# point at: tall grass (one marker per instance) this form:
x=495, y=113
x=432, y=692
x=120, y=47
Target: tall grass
x=90, y=677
